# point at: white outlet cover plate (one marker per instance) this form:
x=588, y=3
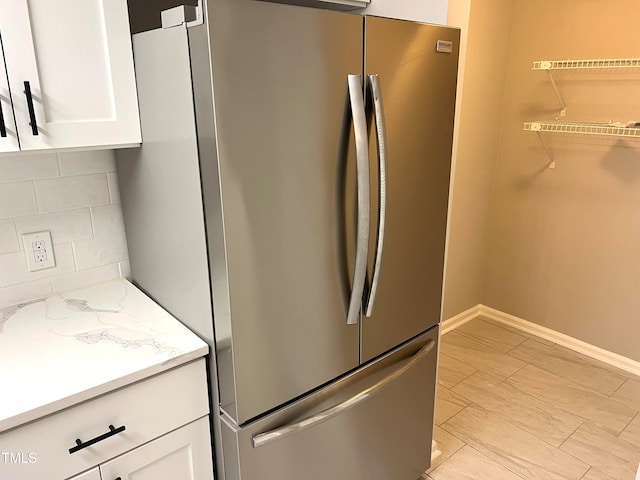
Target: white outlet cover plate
x=38, y=249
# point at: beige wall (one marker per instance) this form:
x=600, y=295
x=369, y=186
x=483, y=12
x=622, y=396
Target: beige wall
x=486, y=28
x=564, y=244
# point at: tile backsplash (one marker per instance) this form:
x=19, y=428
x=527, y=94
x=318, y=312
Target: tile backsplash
x=75, y=196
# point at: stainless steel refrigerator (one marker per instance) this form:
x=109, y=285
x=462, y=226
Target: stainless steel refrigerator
x=289, y=204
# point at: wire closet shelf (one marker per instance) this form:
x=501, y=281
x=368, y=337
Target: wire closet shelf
x=583, y=128
x=586, y=64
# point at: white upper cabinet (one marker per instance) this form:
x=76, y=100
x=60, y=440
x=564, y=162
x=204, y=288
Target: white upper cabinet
x=8, y=134
x=70, y=70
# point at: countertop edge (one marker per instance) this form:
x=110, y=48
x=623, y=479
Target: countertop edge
x=93, y=392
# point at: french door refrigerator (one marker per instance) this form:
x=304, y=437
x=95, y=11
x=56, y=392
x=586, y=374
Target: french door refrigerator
x=289, y=204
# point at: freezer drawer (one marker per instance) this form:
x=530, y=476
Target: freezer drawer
x=375, y=424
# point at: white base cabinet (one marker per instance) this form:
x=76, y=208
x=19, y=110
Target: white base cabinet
x=156, y=429
x=93, y=474
x=71, y=81
x=184, y=454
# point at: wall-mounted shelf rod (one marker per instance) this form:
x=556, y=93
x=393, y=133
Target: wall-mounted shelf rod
x=552, y=161
x=586, y=64
x=563, y=107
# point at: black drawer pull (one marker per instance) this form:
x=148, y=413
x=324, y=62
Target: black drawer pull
x=112, y=431
x=32, y=112
x=3, y=127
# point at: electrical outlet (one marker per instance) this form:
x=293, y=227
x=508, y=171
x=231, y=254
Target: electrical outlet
x=38, y=249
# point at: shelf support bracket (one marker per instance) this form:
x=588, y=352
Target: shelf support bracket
x=552, y=161
x=563, y=107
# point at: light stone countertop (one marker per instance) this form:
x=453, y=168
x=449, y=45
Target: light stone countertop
x=61, y=350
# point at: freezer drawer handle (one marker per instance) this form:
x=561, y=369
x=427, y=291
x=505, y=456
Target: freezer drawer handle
x=263, y=439
x=381, y=136
x=32, y=112
x=112, y=431
x=364, y=208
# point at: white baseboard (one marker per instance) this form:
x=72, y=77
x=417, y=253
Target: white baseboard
x=460, y=319
x=597, y=353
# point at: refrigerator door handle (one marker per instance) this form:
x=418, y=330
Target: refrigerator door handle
x=381, y=137
x=265, y=438
x=364, y=197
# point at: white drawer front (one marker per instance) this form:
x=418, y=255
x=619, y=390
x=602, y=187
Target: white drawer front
x=146, y=409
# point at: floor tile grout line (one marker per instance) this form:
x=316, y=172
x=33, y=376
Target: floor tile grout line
x=559, y=447
x=590, y=361
x=480, y=340
x=528, y=395
x=585, y=473
x=497, y=462
x=549, y=404
x=522, y=333
x=566, y=380
x=454, y=452
x=457, y=383
x=570, y=380
x=580, y=359
x=521, y=391
x=617, y=389
x=497, y=459
x=474, y=339
x=523, y=366
x=461, y=396
x=496, y=375
x=453, y=416
x=598, y=467
x=637, y=415
x=516, y=346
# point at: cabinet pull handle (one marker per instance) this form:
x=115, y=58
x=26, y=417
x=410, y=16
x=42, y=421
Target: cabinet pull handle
x=112, y=431
x=32, y=113
x=3, y=127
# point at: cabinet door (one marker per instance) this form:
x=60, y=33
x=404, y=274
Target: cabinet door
x=93, y=474
x=184, y=453
x=8, y=134
x=75, y=57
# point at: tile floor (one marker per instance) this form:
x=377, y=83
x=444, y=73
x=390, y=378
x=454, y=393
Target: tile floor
x=512, y=406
